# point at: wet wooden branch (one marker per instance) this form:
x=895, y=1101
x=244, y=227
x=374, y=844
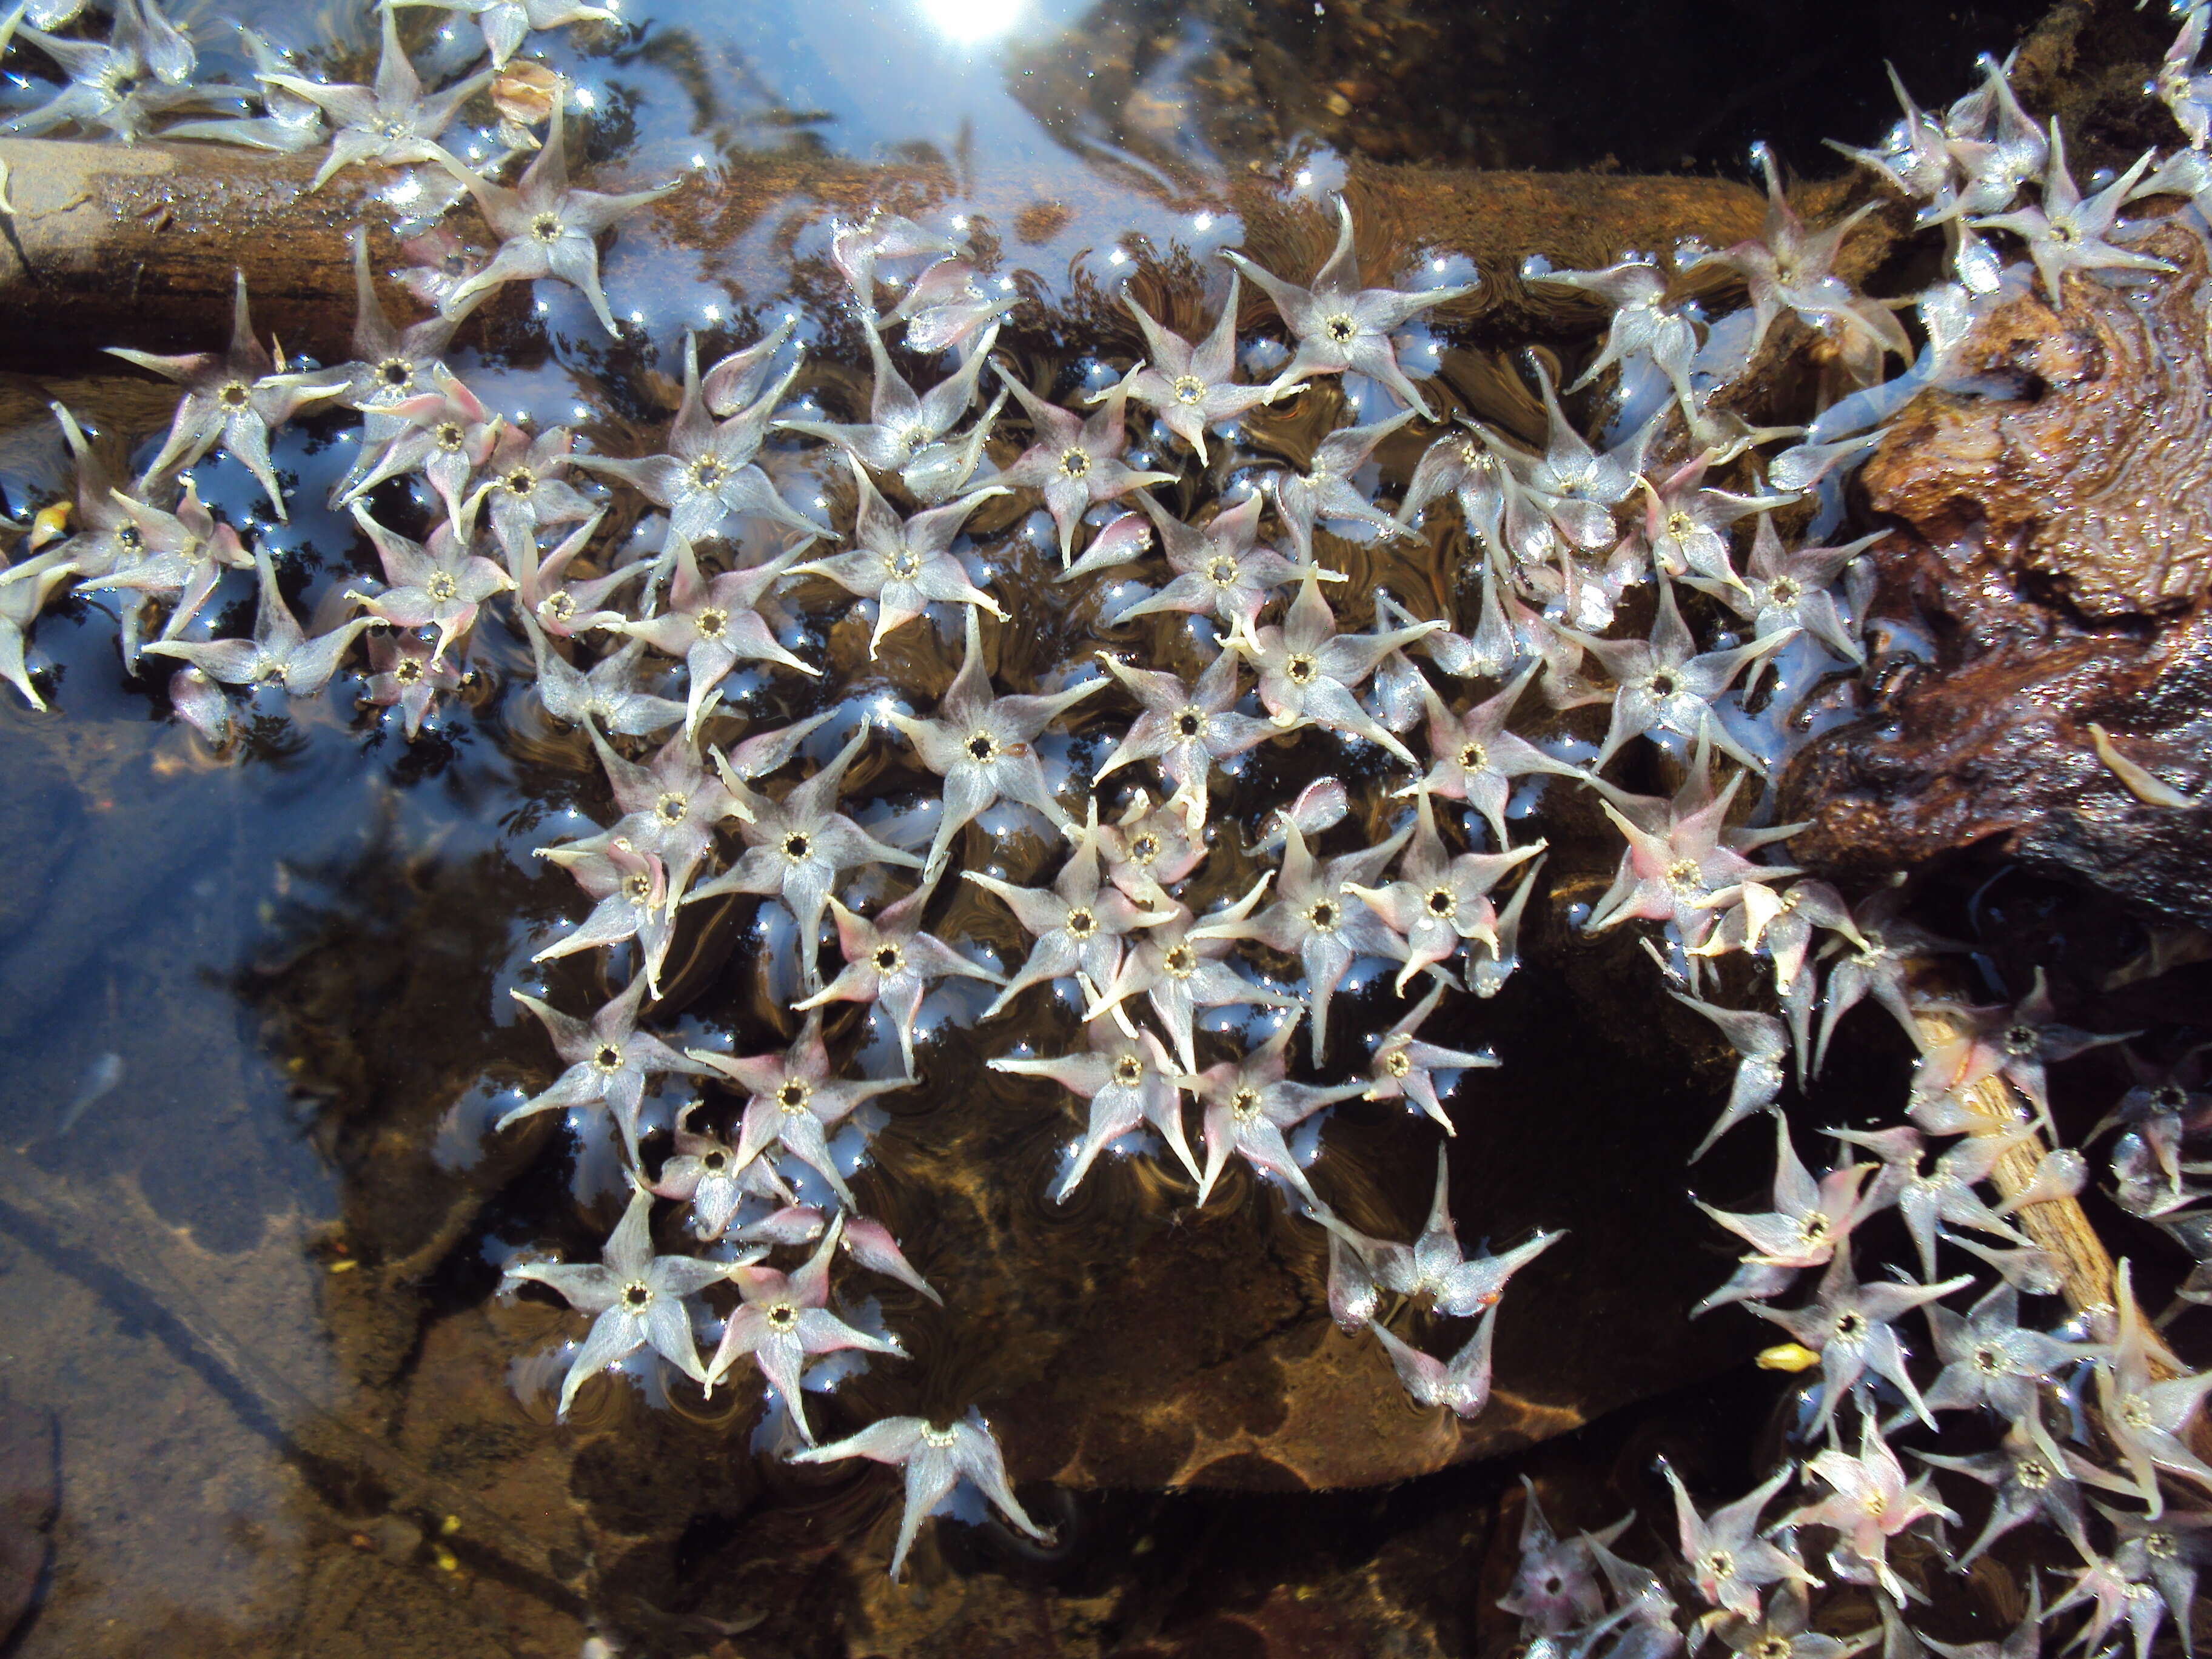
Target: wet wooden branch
x=2060, y=1225
x=112, y=244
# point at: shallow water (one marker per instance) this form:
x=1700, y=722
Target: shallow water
x=258, y=1021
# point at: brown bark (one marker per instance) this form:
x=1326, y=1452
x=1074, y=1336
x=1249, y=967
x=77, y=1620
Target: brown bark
x=2052, y=556
x=116, y=244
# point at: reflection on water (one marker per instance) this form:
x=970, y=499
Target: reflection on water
x=257, y=1017
x=1198, y=89
x=893, y=77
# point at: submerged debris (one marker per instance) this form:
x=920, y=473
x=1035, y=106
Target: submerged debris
x=1673, y=572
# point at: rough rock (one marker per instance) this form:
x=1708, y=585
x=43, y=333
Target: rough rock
x=1126, y=1341
x=30, y=1485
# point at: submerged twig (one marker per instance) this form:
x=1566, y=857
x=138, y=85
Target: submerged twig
x=2060, y=1226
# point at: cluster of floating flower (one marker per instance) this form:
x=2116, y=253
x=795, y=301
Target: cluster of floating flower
x=1562, y=539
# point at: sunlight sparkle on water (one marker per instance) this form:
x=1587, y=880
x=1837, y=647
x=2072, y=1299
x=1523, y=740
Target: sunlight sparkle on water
x=974, y=22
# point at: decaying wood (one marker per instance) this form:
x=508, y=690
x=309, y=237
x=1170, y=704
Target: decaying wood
x=136, y=244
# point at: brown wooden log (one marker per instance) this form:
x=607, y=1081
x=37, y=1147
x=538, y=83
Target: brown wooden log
x=113, y=244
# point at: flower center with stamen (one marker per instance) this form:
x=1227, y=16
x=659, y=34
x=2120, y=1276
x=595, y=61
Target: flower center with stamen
x=888, y=958
x=796, y=846
x=2135, y=1412
x=1681, y=525
x=235, y=394
x=1398, y=1064
x=1189, y=390
x=1682, y=875
x=1180, y=961
x=714, y=1162
x=1144, y=848
x=782, y=1315
x=1662, y=683
x=1773, y=1645
x=707, y=472
x=1341, y=329
x=606, y=1058
x=441, y=587
x=1784, y=591
x=793, y=1094
x=2020, y=1040
x=1473, y=757
x=1577, y=480
x=560, y=604
x=1324, y=915
x=711, y=623
x=395, y=374
x=1075, y=462
x=671, y=808
x=1813, y=1229
x=2169, y=1097
x=1245, y=1104
x=1850, y=1326
x=637, y=1296
x=1128, y=1071
x=131, y=539
x=2033, y=1473
x=1441, y=903
x=1988, y=1360
x=521, y=481
x=939, y=1437
x=1190, y=724
x=1221, y=570
x=407, y=671
x=637, y=887
x=1081, y=923
x=546, y=227
x=1719, y=1566
x=982, y=747
x=450, y=436
x=905, y=565
x=1301, y=669
x=2161, y=1546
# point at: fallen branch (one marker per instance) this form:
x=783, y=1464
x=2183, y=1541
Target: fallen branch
x=136, y=244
